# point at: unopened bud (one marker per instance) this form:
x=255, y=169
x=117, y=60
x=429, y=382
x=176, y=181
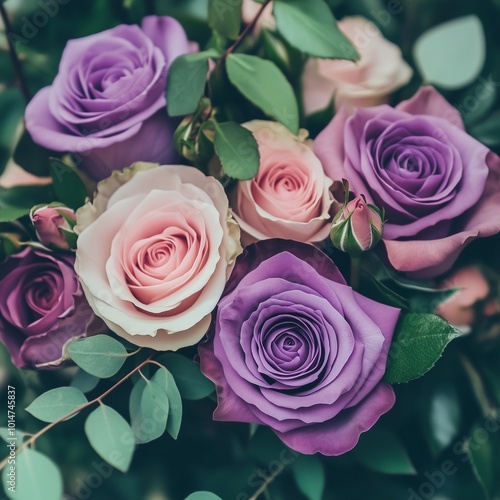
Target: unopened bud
x=357, y=227
x=54, y=225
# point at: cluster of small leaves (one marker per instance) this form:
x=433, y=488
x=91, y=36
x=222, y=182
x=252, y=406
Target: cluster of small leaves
x=155, y=407
x=306, y=25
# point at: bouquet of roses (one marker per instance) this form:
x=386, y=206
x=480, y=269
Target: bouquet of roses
x=233, y=235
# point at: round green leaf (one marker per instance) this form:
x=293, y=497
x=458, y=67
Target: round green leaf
x=452, y=54
x=84, y=381
x=203, y=495
x=111, y=437
x=36, y=478
x=192, y=384
x=418, y=342
x=310, y=476
x=101, y=355
x=237, y=149
x=309, y=25
x=263, y=84
x=224, y=16
x=56, y=403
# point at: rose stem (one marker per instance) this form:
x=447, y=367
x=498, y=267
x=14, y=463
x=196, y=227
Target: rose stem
x=99, y=399
x=248, y=29
x=16, y=64
x=355, y=272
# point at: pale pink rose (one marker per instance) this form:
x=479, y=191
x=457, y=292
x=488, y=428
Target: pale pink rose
x=154, y=251
x=459, y=310
x=50, y=222
x=290, y=196
x=250, y=9
x=367, y=82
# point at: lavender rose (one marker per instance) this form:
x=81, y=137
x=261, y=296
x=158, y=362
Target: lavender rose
x=42, y=307
x=440, y=188
x=107, y=103
x=293, y=347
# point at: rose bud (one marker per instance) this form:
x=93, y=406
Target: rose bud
x=54, y=225
x=460, y=309
x=357, y=227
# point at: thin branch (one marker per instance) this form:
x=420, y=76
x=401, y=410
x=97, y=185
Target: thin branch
x=248, y=29
x=16, y=64
x=267, y=481
x=99, y=399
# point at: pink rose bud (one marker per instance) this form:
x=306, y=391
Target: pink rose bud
x=54, y=225
x=357, y=227
x=460, y=309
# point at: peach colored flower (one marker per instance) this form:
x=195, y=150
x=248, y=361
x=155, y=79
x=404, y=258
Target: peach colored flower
x=459, y=310
x=290, y=196
x=250, y=9
x=154, y=251
x=368, y=82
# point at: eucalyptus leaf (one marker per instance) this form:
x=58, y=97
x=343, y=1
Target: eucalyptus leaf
x=237, y=150
x=7, y=434
x=84, y=381
x=186, y=82
x=263, y=84
x=111, y=437
x=309, y=475
x=309, y=26
x=452, y=54
x=192, y=384
x=68, y=186
x=418, y=342
x=381, y=450
x=56, y=403
x=37, y=478
x=203, y=495
x=224, y=16
x=165, y=380
x=99, y=355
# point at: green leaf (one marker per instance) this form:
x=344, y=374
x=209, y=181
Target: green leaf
x=224, y=16
x=56, y=403
x=186, y=82
x=8, y=434
x=32, y=157
x=488, y=131
x=481, y=452
x=84, y=381
x=17, y=201
x=100, y=355
x=310, y=476
x=309, y=26
x=111, y=437
x=237, y=149
x=381, y=450
x=192, y=384
x=263, y=84
x=68, y=186
x=166, y=381
x=37, y=478
x=419, y=341
x=203, y=495
x=11, y=110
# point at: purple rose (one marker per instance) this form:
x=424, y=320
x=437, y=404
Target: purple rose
x=293, y=347
x=42, y=307
x=107, y=103
x=440, y=188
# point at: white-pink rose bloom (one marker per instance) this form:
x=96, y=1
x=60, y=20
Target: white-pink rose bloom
x=368, y=82
x=290, y=196
x=155, y=248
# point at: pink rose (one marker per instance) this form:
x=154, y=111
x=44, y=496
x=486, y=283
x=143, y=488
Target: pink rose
x=154, y=251
x=290, y=196
x=368, y=82
x=50, y=223
x=459, y=310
